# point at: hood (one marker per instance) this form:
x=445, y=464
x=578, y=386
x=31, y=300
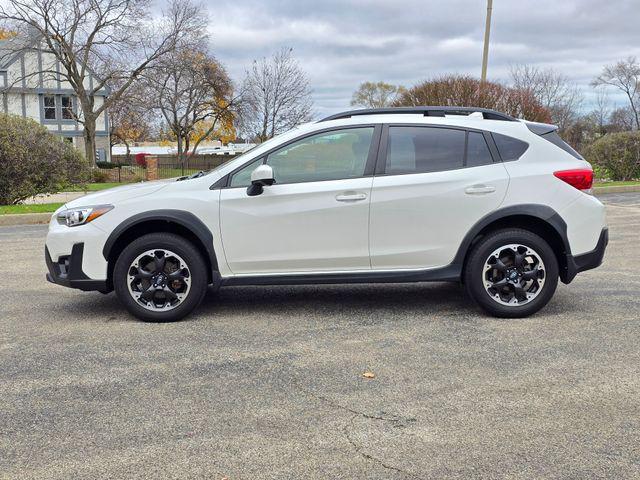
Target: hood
x=119, y=194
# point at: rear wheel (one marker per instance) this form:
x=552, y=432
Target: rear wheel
x=511, y=273
x=160, y=277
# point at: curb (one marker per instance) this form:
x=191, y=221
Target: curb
x=616, y=189
x=25, y=219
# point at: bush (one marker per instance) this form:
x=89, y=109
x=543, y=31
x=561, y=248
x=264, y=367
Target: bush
x=466, y=91
x=107, y=165
x=34, y=161
x=141, y=159
x=100, y=176
x=618, y=154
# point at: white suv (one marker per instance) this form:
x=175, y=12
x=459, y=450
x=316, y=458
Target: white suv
x=386, y=195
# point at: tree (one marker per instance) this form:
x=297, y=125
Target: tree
x=375, y=95
x=466, y=91
x=117, y=39
x=129, y=120
x=552, y=90
x=618, y=154
x=6, y=34
x=625, y=76
x=34, y=161
x=276, y=96
x=622, y=120
x=191, y=90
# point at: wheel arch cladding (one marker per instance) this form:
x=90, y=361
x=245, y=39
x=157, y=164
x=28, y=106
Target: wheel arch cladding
x=539, y=219
x=182, y=223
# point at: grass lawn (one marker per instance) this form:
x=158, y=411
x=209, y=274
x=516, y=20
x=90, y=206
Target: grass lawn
x=40, y=208
x=615, y=184
x=92, y=187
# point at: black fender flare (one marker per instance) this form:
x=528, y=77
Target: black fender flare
x=183, y=218
x=541, y=212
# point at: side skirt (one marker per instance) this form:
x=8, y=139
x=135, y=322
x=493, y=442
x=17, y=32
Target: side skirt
x=450, y=273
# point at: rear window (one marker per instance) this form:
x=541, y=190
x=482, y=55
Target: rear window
x=554, y=138
x=510, y=148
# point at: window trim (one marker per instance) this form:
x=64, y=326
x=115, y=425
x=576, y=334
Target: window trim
x=381, y=165
x=369, y=167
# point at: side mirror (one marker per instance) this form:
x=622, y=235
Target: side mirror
x=261, y=177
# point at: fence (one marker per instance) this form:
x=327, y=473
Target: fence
x=123, y=169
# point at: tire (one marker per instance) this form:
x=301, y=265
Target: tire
x=150, y=271
x=490, y=280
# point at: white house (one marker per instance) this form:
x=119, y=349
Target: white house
x=31, y=86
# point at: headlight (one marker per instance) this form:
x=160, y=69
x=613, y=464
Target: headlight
x=79, y=216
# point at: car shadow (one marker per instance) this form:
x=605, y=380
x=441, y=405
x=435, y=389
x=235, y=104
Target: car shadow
x=358, y=300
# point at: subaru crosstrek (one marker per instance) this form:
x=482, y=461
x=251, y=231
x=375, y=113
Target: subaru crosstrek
x=469, y=195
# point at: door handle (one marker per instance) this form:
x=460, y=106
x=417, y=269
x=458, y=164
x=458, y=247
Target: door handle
x=479, y=189
x=351, y=197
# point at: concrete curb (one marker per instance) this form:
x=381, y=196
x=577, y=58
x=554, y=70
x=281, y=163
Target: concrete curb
x=25, y=219
x=616, y=189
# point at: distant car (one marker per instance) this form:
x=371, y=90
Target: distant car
x=501, y=205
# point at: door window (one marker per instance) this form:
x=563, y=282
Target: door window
x=424, y=149
x=242, y=178
x=334, y=155
x=477, y=150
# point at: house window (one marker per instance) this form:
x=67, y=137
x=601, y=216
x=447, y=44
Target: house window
x=67, y=107
x=49, y=107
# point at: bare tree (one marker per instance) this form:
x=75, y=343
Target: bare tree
x=276, y=96
x=554, y=92
x=115, y=41
x=129, y=119
x=375, y=95
x=625, y=76
x=190, y=88
x=622, y=120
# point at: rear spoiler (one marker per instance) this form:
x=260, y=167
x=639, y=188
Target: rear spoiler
x=541, y=128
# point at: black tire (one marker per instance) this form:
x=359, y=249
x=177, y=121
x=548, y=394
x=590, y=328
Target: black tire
x=474, y=279
x=194, y=261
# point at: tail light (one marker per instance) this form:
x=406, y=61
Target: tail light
x=581, y=178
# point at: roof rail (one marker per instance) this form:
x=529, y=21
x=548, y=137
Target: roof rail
x=426, y=111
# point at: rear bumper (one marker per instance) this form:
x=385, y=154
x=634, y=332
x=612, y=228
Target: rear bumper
x=586, y=261
x=67, y=271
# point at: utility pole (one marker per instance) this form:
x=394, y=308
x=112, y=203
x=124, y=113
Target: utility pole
x=487, y=31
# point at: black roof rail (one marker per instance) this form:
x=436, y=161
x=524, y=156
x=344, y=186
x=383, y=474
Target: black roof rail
x=426, y=111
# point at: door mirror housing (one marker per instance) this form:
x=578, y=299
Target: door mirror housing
x=261, y=177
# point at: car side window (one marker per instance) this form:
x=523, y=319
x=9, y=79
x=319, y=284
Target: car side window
x=478, y=152
x=510, y=148
x=334, y=155
x=242, y=178
x=424, y=149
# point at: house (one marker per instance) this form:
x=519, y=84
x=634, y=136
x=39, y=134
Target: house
x=30, y=86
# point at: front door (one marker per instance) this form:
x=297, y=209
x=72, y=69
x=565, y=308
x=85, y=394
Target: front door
x=315, y=218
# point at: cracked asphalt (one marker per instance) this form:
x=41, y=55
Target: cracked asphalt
x=266, y=382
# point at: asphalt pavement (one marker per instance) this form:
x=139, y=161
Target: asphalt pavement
x=267, y=382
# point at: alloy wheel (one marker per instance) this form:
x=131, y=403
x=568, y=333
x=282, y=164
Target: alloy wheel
x=513, y=275
x=159, y=280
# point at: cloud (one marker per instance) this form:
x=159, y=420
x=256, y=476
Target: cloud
x=342, y=43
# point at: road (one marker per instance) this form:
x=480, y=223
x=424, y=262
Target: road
x=266, y=382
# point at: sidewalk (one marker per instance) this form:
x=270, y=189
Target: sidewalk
x=60, y=197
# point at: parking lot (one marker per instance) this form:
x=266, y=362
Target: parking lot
x=266, y=382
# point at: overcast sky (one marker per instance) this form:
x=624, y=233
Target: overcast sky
x=343, y=43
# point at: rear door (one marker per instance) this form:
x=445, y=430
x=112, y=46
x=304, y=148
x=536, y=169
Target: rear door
x=432, y=185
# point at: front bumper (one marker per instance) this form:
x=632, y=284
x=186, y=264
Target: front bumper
x=586, y=261
x=67, y=271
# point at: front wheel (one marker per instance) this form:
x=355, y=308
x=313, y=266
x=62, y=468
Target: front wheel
x=160, y=277
x=511, y=273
